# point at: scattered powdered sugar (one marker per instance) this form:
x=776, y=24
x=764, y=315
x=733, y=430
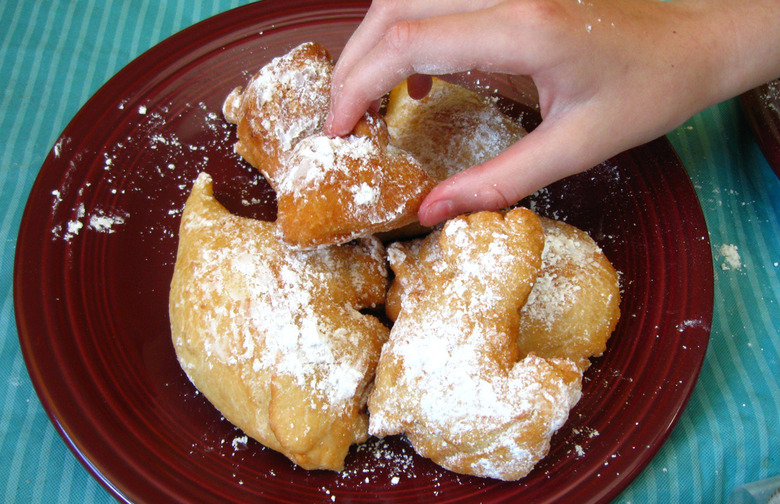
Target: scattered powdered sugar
x=98, y=220
x=240, y=442
x=61, y=142
x=731, y=258
x=386, y=463
x=541, y=203
x=105, y=223
x=771, y=95
x=691, y=323
x=152, y=162
x=382, y=458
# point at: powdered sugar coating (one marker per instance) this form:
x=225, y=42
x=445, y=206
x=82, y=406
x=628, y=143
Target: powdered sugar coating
x=372, y=185
x=575, y=304
x=279, y=298
x=449, y=377
x=279, y=327
x=291, y=95
x=553, y=292
x=319, y=155
x=329, y=190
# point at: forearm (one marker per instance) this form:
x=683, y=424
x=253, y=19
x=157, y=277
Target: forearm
x=744, y=42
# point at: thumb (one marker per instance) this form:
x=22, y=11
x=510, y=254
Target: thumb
x=551, y=152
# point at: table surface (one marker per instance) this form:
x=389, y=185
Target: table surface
x=55, y=54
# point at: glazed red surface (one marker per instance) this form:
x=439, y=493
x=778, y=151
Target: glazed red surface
x=762, y=110
x=91, y=302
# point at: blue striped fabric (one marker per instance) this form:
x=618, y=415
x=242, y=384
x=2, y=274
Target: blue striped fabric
x=54, y=54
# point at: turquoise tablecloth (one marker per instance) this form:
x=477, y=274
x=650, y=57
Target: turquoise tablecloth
x=54, y=54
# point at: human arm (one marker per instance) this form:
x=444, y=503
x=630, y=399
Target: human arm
x=611, y=74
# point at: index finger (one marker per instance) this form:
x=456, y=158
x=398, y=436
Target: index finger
x=381, y=18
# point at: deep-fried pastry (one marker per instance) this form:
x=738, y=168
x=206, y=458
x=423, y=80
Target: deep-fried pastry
x=575, y=304
x=496, y=314
x=451, y=376
x=341, y=188
x=284, y=102
x=450, y=129
x=329, y=190
x=273, y=336
x=572, y=309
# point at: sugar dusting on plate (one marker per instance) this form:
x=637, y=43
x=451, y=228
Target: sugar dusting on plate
x=127, y=158
x=731, y=258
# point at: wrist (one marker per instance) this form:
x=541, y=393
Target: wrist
x=741, y=46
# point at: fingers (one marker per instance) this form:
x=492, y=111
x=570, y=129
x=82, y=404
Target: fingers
x=382, y=15
x=407, y=47
x=588, y=71
x=551, y=152
x=379, y=18
x=418, y=85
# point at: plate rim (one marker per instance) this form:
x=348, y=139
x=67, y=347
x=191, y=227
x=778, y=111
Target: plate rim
x=158, y=53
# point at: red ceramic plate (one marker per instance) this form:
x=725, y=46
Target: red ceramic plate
x=762, y=109
x=96, y=251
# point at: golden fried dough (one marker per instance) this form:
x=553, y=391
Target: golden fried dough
x=451, y=376
x=284, y=102
x=329, y=190
x=575, y=305
x=450, y=129
x=495, y=314
x=341, y=188
x=273, y=336
x=572, y=310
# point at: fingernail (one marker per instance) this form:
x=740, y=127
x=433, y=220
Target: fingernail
x=437, y=212
x=328, y=123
